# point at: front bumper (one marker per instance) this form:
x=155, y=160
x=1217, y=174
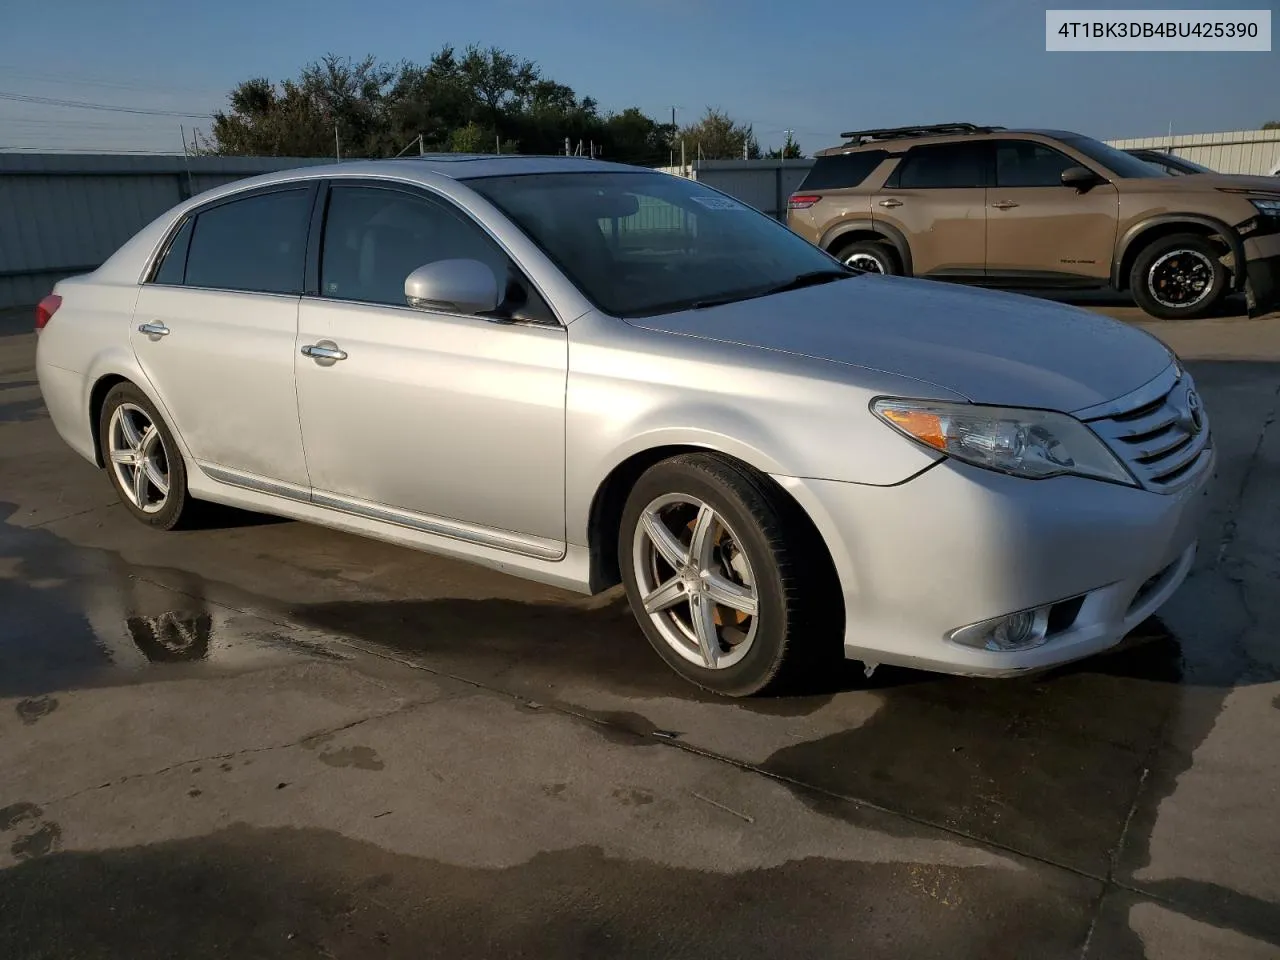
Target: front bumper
x=1262, y=273
x=957, y=545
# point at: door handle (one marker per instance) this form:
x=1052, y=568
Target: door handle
x=324, y=350
x=153, y=329
x=891, y=203
x=1004, y=204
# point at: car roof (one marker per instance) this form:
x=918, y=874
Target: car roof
x=460, y=167
x=901, y=143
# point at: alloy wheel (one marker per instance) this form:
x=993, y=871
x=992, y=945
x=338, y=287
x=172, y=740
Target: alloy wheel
x=866, y=262
x=695, y=581
x=139, y=458
x=1180, y=279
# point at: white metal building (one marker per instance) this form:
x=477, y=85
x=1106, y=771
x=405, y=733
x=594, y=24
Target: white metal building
x=1242, y=151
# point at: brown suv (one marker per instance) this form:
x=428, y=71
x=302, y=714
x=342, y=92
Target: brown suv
x=1041, y=209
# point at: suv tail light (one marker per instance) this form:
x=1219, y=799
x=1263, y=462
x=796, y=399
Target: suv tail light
x=802, y=201
x=46, y=308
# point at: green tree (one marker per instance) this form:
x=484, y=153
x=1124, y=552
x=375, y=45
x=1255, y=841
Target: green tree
x=455, y=102
x=1271, y=125
x=718, y=137
x=790, y=150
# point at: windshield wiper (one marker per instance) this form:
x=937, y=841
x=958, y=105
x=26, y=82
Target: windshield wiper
x=809, y=279
x=812, y=278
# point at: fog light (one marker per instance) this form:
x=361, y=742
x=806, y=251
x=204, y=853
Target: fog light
x=1015, y=631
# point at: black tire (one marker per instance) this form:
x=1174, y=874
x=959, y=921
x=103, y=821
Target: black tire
x=1197, y=259
x=800, y=612
x=178, y=509
x=865, y=253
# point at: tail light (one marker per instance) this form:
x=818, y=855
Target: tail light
x=46, y=308
x=802, y=201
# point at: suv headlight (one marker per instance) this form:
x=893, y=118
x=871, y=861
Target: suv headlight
x=1268, y=208
x=1025, y=443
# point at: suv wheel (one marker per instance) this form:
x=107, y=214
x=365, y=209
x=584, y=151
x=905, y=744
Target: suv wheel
x=1178, y=277
x=721, y=579
x=869, y=256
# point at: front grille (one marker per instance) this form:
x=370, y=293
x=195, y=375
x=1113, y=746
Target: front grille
x=1160, y=431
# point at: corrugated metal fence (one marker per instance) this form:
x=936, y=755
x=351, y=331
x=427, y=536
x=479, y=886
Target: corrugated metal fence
x=1242, y=151
x=62, y=214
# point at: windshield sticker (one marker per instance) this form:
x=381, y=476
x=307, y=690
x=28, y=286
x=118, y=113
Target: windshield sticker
x=718, y=203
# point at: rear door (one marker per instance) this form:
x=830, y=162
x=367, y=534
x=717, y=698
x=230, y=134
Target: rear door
x=936, y=198
x=1040, y=230
x=214, y=330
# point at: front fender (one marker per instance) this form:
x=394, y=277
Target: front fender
x=782, y=414
x=1135, y=233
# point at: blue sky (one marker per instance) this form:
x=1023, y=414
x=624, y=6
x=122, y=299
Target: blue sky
x=816, y=67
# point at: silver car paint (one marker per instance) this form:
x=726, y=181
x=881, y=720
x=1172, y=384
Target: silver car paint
x=759, y=380
x=987, y=346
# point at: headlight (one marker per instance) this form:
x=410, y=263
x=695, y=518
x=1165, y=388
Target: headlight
x=1268, y=208
x=1026, y=443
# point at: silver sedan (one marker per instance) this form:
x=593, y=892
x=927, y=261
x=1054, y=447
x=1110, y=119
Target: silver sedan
x=586, y=373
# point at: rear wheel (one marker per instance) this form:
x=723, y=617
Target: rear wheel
x=869, y=256
x=721, y=578
x=1179, y=277
x=143, y=460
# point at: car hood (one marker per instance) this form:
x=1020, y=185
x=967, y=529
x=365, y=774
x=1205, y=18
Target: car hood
x=1221, y=181
x=988, y=346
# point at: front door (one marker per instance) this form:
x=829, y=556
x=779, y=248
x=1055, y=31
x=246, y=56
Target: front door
x=936, y=197
x=1040, y=230
x=214, y=331
x=448, y=423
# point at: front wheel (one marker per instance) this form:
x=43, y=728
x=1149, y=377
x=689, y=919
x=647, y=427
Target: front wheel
x=1179, y=277
x=720, y=576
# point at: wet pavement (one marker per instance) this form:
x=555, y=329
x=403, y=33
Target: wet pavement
x=263, y=738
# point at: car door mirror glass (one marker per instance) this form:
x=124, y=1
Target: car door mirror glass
x=1082, y=178
x=453, y=286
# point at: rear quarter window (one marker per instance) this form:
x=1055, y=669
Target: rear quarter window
x=838, y=170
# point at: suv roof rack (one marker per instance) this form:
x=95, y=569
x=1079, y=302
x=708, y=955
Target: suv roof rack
x=900, y=133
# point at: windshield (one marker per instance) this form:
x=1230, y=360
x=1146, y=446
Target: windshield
x=1189, y=166
x=643, y=243
x=1117, y=161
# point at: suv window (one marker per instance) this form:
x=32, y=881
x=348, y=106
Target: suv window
x=834, y=171
x=943, y=165
x=1022, y=163
x=374, y=237
x=257, y=244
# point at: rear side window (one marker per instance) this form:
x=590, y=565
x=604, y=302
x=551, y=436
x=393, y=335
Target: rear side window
x=173, y=266
x=943, y=165
x=257, y=244
x=838, y=170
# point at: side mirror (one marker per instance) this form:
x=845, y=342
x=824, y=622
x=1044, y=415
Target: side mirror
x=1082, y=178
x=453, y=286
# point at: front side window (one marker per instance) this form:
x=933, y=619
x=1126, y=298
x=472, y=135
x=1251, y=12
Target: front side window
x=257, y=244
x=374, y=237
x=638, y=244
x=1022, y=163
x=943, y=165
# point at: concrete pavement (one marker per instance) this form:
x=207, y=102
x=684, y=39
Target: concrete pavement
x=268, y=739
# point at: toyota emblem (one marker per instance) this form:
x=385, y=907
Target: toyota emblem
x=1194, y=418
